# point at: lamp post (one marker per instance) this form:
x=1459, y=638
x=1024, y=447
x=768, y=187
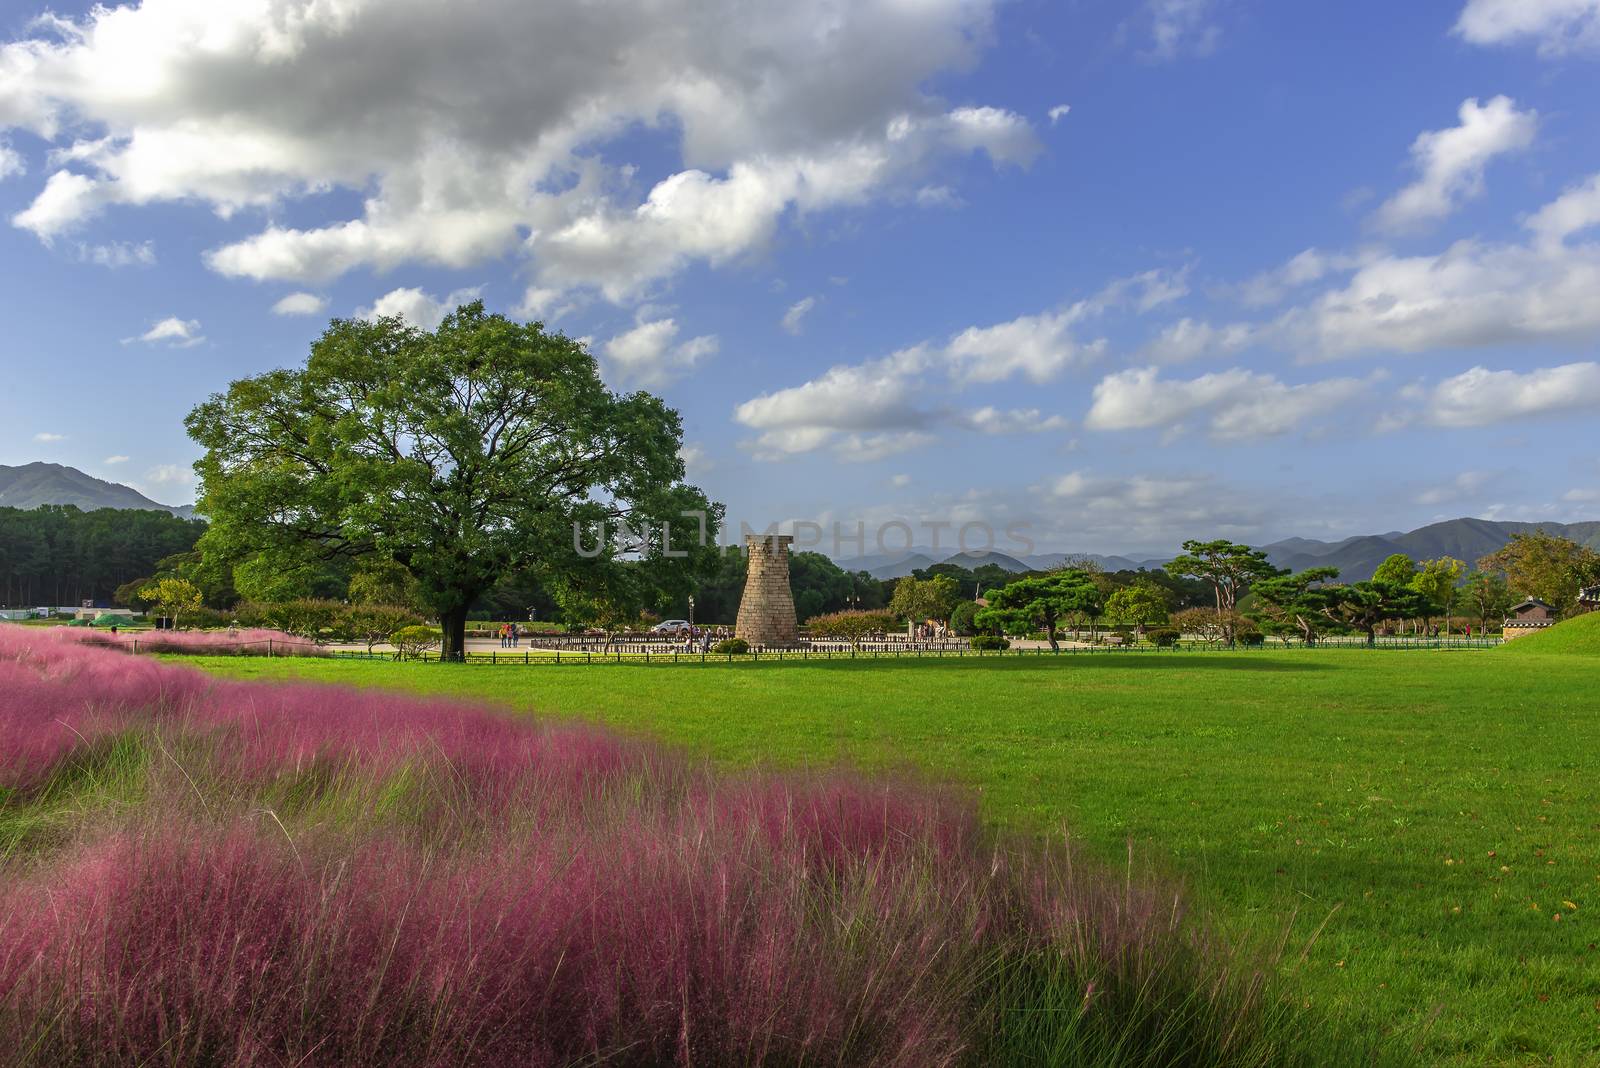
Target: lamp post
x=691, y=613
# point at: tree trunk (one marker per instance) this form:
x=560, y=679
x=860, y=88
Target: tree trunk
x=1372, y=635
x=454, y=625
x=1050, y=632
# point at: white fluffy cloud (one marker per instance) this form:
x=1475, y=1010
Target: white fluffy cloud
x=300, y=304
x=889, y=394
x=1469, y=295
x=646, y=355
x=1556, y=26
x=173, y=331
x=794, y=319
x=420, y=309
x=1450, y=163
x=1481, y=397
x=1473, y=294
x=476, y=130
x=1037, y=347
x=45, y=437
x=1236, y=405
x=112, y=461
x=1059, y=112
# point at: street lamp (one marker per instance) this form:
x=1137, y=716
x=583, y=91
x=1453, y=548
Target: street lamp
x=691, y=611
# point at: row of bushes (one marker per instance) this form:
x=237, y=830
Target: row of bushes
x=313, y=619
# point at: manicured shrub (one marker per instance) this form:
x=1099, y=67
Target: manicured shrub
x=853, y=627
x=1166, y=637
x=731, y=646
x=1250, y=637
x=984, y=642
x=411, y=642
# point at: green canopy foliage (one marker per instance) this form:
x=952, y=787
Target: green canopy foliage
x=482, y=448
x=1040, y=602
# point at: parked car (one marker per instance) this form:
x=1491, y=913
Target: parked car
x=671, y=626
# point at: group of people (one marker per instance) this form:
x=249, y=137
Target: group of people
x=930, y=632
x=701, y=638
x=511, y=635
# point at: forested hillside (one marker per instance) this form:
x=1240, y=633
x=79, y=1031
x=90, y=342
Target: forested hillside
x=60, y=556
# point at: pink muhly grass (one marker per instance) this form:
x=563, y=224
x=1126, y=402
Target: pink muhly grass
x=247, y=642
x=540, y=895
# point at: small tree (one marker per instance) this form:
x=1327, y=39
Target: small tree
x=1437, y=580
x=1206, y=624
x=963, y=619
x=1039, y=603
x=851, y=626
x=131, y=594
x=1138, y=606
x=373, y=623
x=1488, y=595
x=172, y=597
x=304, y=617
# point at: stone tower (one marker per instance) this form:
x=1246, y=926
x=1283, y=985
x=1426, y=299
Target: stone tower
x=766, y=611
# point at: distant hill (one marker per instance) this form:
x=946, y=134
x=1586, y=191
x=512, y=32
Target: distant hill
x=36, y=484
x=1465, y=539
x=1356, y=557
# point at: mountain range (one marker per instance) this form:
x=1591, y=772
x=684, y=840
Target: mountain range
x=35, y=484
x=1355, y=557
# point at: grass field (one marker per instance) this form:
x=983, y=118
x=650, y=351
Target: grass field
x=1429, y=822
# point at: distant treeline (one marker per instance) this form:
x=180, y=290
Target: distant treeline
x=58, y=555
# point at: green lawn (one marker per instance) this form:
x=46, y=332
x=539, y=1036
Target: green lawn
x=1437, y=814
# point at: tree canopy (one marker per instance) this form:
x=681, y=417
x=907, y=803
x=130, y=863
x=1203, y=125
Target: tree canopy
x=1228, y=567
x=484, y=447
x=1040, y=602
x=1545, y=566
x=923, y=599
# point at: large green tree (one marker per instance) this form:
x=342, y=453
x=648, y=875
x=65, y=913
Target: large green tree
x=1365, y=605
x=1300, y=602
x=1228, y=568
x=1139, y=605
x=918, y=600
x=1040, y=602
x=1546, y=566
x=1397, y=568
x=483, y=447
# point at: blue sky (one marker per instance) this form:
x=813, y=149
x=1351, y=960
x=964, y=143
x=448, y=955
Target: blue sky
x=1118, y=273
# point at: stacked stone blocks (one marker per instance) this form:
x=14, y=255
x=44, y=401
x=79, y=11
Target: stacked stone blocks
x=766, y=611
